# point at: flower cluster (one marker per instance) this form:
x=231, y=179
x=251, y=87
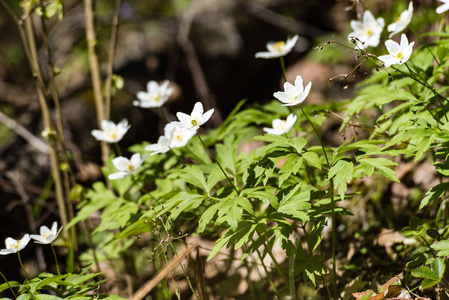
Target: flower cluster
x=46, y=236
x=178, y=133
x=367, y=33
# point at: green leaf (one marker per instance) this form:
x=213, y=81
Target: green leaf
x=295, y=205
x=291, y=166
x=214, y=177
x=207, y=216
x=424, y=272
x=438, y=267
x=5, y=286
x=194, y=175
x=342, y=173
x=442, y=247
x=434, y=194
x=226, y=157
x=381, y=165
x=312, y=159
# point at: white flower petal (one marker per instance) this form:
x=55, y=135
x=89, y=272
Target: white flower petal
x=197, y=110
x=118, y=175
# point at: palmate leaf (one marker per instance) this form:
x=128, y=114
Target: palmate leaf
x=342, y=174
x=432, y=275
x=193, y=175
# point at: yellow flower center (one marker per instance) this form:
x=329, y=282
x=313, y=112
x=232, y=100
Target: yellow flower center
x=399, y=19
x=282, y=125
x=400, y=55
x=369, y=32
x=278, y=47
x=45, y=235
x=130, y=166
x=157, y=97
x=179, y=137
x=16, y=246
x=194, y=122
x=113, y=134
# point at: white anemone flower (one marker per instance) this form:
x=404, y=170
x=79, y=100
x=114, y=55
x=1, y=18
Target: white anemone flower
x=46, y=235
x=402, y=22
x=398, y=54
x=281, y=126
x=14, y=246
x=111, y=132
x=441, y=9
x=177, y=135
x=367, y=31
x=293, y=94
x=155, y=96
x=126, y=166
x=278, y=49
x=162, y=145
x=197, y=118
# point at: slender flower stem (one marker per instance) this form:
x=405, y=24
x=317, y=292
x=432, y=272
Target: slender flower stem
x=317, y=134
x=118, y=151
x=21, y=264
x=7, y=282
x=331, y=192
x=210, y=153
x=56, y=259
x=164, y=115
x=284, y=73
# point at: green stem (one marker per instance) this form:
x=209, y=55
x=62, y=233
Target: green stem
x=210, y=153
x=331, y=192
x=268, y=274
x=7, y=282
x=118, y=151
x=21, y=264
x=56, y=259
x=164, y=115
x=317, y=134
x=284, y=73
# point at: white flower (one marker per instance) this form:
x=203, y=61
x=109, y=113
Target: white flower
x=398, y=54
x=14, y=246
x=162, y=146
x=177, y=135
x=277, y=49
x=441, y=9
x=155, y=96
x=110, y=132
x=367, y=31
x=293, y=94
x=126, y=166
x=402, y=22
x=46, y=235
x=196, y=118
x=281, y=126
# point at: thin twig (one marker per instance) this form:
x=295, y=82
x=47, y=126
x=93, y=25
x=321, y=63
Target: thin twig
x=111, y=55
x=148, y=287
x=95, y=73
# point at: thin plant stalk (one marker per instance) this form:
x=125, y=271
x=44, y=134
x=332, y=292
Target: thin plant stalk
x=7, y=282
x=182, y=266
x=331, y=192
x=164, y=115
x=273, y=286
x=21, y=264
x=110, y=65
x=56, y=259
x=118, y=151
x=284, y=73
x=210, y=153
x=67, y=173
